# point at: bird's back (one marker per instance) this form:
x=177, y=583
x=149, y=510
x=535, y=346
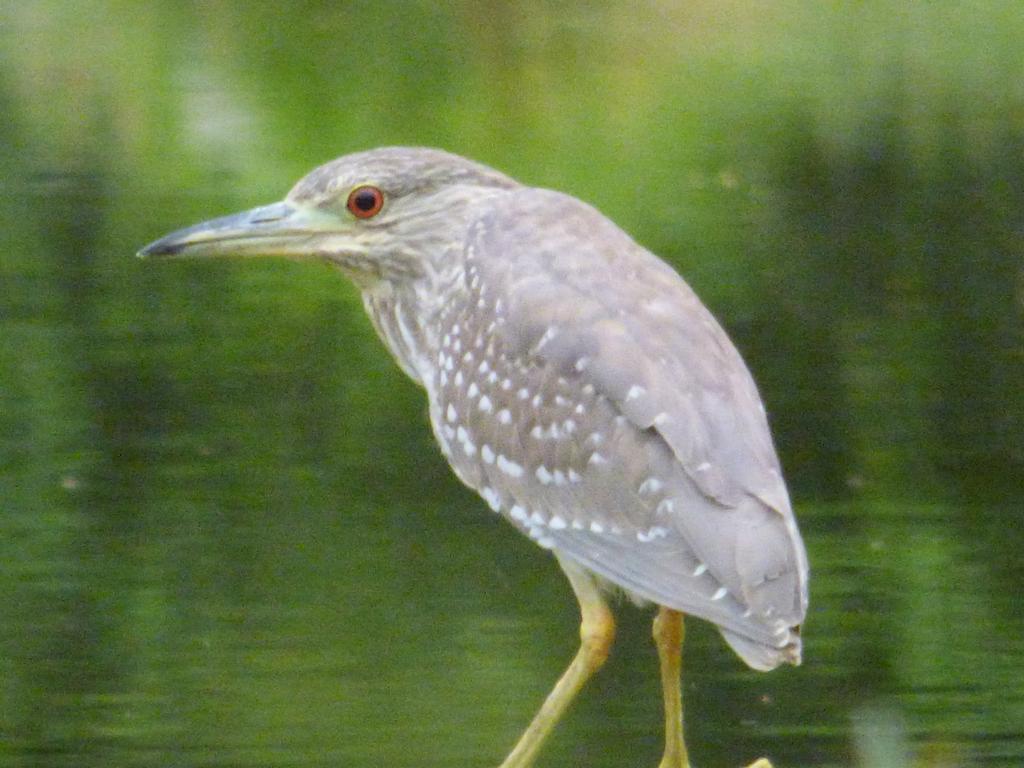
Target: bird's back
x=583, y=389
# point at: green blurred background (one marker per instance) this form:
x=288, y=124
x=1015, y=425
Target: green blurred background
x=226, y=537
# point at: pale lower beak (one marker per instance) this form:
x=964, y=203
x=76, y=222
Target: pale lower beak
x=279, y=229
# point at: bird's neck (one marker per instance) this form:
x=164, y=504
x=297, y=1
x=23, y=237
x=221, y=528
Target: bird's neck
x=408, y=306
x=407, y=315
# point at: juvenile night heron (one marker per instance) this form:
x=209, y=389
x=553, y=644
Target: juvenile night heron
x=576, y=383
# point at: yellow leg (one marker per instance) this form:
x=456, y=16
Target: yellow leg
x=597, y=630
x=668, y=637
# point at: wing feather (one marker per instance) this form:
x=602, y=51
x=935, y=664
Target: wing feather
x=581, y=301
x=586, y=291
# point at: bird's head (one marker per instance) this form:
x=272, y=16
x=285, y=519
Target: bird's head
x=389, y=213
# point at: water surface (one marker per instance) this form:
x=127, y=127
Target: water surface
x=226, y=536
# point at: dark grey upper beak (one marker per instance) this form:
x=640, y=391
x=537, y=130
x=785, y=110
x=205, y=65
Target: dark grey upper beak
x=276, y=229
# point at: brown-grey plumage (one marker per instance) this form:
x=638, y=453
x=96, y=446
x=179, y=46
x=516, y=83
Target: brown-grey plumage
x=646, y=410
x=574, y=380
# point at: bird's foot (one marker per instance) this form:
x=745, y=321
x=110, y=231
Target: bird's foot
x=761, y=762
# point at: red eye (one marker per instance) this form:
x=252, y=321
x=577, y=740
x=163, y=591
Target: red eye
x=365, y=202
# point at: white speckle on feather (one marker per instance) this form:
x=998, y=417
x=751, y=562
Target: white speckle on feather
x=636, y=391
x=509, y=467
x=549, y=334
x=656, y=532
x=492, y=498
x=650, y=485
x=467, y=445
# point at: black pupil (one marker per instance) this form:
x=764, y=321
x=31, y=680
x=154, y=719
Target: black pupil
x=365, y=200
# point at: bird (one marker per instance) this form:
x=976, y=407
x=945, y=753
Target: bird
x=577, y=383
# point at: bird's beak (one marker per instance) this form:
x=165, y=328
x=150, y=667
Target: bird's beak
x=279, y=229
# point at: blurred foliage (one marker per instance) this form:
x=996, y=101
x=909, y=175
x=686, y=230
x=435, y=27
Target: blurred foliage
x=227, y=537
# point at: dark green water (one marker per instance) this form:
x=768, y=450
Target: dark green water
x=226, y=536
